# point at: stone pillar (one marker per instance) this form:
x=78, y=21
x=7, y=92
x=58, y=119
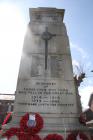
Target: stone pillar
x=45, y=82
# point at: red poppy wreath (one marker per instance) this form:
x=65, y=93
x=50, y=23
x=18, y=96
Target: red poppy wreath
x=74, y=136
x=36, y=126
x=82, y=118
x=11, y=132
x=26, y=136
x=19, y=134
x=53, y=137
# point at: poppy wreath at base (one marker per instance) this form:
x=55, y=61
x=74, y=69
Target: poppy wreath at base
x=82, y=119
x=31, y=129
x=19, y=134
x=75, y=136
x=11, y=132
x=53, y=137
x=27, y=136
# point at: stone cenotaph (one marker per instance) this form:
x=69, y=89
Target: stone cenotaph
x=45, y=82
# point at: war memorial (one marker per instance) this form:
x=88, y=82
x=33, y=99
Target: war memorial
x=46, y=104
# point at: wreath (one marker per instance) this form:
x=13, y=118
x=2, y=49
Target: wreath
x=82, y=118
x=26, y=132
x=34, y=137
x=26, y=136
x=11, y=132
x=53, y=137
x=74, y=136
x=20, y=134
x=31, y=129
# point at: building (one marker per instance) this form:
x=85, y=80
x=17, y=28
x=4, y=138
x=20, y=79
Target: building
x=6, y=105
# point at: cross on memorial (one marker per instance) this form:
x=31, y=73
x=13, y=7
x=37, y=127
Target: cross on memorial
x=46, y=36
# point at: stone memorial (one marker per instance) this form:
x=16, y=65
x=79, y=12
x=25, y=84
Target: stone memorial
x=45, y=82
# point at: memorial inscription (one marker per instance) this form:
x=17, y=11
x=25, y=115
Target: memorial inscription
x=55, y=68
x=46, y=96
x=49, y=18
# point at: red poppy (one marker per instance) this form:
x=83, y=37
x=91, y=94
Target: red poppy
x=82, y=118
x=31, y=129
x=11, y=132
x=53, y=137
x=7, y=118
x=73, y=136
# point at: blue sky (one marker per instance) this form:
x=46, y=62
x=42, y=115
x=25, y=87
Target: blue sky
x=79, y=21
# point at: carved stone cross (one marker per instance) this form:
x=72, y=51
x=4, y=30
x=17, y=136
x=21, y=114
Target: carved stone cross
x=46, y=36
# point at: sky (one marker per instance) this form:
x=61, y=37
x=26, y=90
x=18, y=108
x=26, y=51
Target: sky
x=14, y=17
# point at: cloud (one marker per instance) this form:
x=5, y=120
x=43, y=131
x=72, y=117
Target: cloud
x=85, y=94
x=82, y=52
x=75, y=63
x=80, y=59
